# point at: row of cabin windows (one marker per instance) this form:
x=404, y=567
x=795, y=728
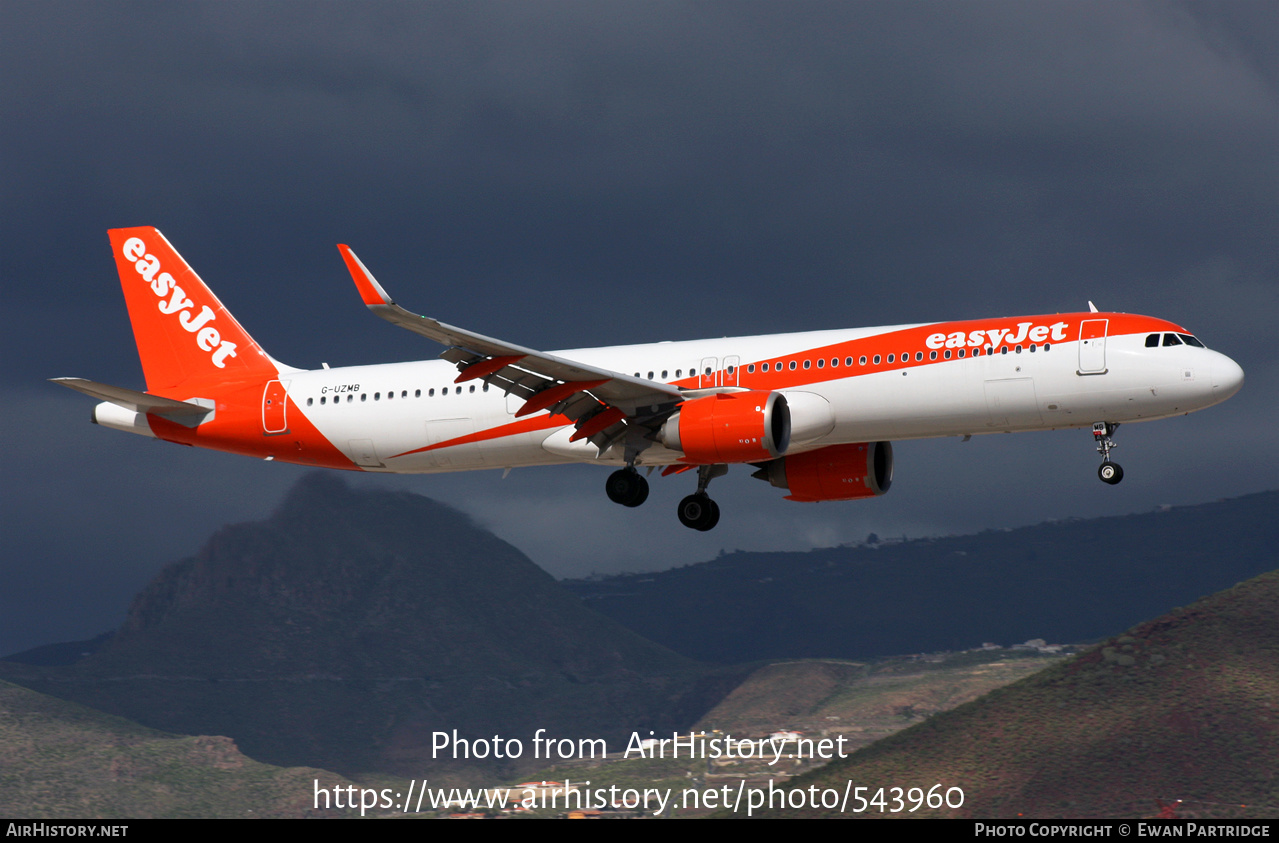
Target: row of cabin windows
x=1152, y=341
x=876, y=360
x=390, y=395
x=892, y=358
x=679, y=373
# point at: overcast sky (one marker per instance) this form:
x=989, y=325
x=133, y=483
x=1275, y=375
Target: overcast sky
x=573, y=174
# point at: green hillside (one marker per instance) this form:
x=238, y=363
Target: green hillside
x=61, y=760
x=1182, y=707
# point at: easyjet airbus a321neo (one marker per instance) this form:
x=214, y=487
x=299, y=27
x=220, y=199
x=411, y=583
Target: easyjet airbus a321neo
x=813, y=412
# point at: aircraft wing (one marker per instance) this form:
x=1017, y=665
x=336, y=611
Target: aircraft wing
x=603, y=403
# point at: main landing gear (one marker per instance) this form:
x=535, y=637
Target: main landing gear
x=1109, y=472
x=698, y=511
x=627, y=487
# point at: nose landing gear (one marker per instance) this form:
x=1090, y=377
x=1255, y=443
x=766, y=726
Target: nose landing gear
x=1109, y=472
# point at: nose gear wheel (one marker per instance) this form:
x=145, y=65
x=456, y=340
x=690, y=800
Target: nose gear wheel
x=1109, y=472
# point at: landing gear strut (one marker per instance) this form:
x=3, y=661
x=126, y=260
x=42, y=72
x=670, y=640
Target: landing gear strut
x=627, y=487
x=698, y=511
x=1109, y=472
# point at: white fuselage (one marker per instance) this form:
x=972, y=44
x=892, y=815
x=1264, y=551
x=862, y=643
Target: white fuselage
x=413, y=418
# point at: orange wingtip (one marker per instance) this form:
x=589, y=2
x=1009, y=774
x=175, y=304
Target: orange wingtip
x=370, y=290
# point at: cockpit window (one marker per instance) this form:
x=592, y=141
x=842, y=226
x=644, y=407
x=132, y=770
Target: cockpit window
x=1171, y=339
x=1152, y=341
x=1189, y=340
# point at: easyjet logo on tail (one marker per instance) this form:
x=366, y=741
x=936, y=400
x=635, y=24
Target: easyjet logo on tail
x=173, y=300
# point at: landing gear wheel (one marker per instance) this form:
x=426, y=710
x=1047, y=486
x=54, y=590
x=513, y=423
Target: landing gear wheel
x=627, y=487
x=698, y=512
x=714, y=519
x=1110, y=472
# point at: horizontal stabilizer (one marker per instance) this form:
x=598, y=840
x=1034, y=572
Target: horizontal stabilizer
x=138, y=402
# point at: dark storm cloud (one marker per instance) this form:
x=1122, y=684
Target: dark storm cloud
x=575, y=174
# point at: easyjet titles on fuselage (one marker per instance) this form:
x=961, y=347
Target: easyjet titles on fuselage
x=994, y=336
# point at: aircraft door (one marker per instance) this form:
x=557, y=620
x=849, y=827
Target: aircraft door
x=1092, y=346
x=707, y=373
x=731, y=365
x=274, y=404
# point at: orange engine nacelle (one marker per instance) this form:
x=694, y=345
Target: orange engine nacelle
x=833, y=473
x=730, y=427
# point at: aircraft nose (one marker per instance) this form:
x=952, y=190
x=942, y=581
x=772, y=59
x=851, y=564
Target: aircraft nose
x=1227, y=377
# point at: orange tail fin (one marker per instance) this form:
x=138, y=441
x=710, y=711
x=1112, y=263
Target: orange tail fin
x=185, y=336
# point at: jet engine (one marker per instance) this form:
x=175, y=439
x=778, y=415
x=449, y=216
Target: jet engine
x=730, y=427
x=833, y=473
